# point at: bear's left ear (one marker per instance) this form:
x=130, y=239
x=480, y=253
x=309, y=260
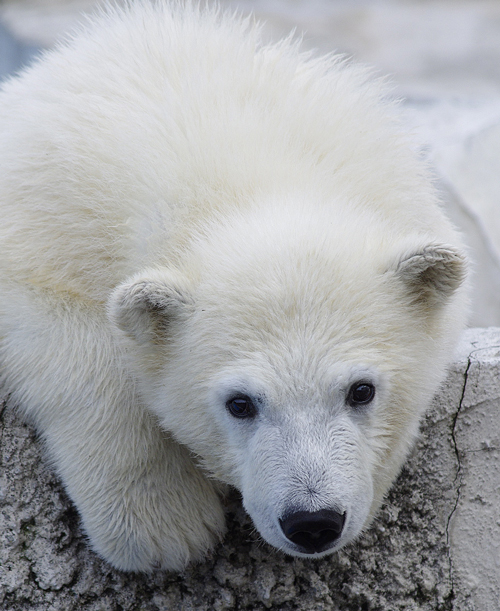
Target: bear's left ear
x=144, y=306
x=432, y=274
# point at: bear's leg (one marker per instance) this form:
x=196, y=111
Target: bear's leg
x=143, y=502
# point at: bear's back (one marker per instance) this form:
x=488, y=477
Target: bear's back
x=118, y=147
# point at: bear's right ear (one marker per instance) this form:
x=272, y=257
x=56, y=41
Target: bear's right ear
x=144, y=306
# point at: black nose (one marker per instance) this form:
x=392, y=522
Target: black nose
x=313, y=531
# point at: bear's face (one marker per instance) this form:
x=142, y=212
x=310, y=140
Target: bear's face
x=301, y=454
x=293, y=375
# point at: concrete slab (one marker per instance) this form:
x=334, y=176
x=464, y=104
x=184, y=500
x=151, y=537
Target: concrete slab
x=474, y=527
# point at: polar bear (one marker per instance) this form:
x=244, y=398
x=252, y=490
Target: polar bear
x=221, y=264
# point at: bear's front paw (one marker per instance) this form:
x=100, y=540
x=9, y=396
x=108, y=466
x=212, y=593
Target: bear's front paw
x=164, y=518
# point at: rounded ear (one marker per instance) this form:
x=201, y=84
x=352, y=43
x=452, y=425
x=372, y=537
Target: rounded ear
x=432, y=274
x=144, y=306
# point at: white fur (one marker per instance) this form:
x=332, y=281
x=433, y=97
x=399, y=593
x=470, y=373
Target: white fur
x=188, y=214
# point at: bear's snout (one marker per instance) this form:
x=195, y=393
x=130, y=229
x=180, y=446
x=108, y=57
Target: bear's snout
x=315, y=531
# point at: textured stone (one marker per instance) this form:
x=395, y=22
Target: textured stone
x=474, y=525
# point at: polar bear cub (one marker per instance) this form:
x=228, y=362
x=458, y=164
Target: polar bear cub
x=221, y=263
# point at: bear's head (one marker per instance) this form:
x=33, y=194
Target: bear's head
x=294, y=357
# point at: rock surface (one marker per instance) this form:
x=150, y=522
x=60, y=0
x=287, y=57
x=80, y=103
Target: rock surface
x=433, y=547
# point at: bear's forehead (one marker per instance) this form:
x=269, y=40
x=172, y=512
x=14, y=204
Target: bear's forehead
x=299, y=346
x=299, y=300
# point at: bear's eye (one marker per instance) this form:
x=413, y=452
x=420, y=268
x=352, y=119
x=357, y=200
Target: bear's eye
x=241, y=407
x=361, y=393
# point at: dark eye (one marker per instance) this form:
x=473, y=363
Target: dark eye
x=241, y=407
x=361, y=393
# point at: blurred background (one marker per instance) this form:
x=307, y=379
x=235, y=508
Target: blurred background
x=443, y=57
